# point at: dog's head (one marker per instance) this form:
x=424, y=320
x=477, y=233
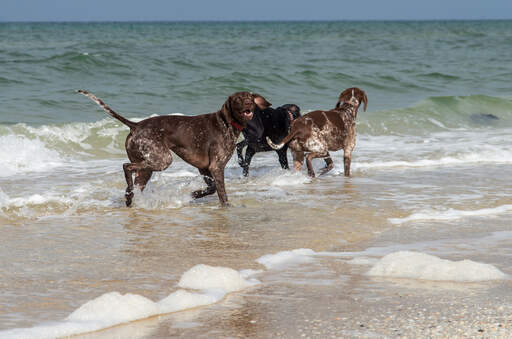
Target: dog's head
x=353, y=96
x=239, y=107
x=294, y=110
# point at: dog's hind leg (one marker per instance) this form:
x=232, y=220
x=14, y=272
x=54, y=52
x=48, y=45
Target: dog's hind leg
x=309, y=164
x=329, y=165
x=210, y=185
x=142, y=177
x=249, y=153
x=129, y=168
x=298, y=160
x=283, y=159
x=143, y=171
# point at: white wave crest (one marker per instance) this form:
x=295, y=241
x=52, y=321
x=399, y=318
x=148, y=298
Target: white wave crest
x=451, y=214
x=20, y=154
x=498, y=157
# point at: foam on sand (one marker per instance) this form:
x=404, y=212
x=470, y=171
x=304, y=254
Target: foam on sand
x=204, y=277
x=416, y=265
x=287, y=258
x=113, y=308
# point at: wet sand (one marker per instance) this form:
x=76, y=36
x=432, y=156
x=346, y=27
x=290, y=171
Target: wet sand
x=337, y=301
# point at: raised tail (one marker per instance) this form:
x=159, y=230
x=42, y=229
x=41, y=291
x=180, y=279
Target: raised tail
x=107, y=109
x=283, y=142
x=274, y=146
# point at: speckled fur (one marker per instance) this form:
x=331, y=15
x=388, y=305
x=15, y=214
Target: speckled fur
x=315, y=134
x=205, y=141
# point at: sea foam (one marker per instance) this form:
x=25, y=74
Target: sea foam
x=287, y=258
x=451, y=214
x=416, y=265
x=204, y=277
x=463, y=159
x=20, y=154
x=114, y=308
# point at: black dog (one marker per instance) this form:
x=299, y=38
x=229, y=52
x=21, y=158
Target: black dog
x=272, y=123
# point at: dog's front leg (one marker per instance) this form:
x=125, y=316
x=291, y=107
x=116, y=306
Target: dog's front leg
x=218, y=176
x=210, y=185
x=347, y=159
x=239, y=148
x=249, y=153
x=283, y=159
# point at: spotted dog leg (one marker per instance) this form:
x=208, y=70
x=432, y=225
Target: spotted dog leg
x=347, y=159
x=329, y=165
x=142, y=177
x=156, y=161
x=298, y=160
x=129, y=168
x=309, y=164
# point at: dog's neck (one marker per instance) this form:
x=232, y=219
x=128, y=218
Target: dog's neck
x=348, y=111
x=237, y=125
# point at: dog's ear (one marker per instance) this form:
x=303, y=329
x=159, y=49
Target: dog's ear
x=364, y=99
x=226, y=109
x=260, y=101
x=295, y=110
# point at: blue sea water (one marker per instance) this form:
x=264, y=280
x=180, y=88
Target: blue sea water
x=160, y=68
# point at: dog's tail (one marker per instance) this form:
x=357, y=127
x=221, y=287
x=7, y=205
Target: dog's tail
x=283, y=142
x=107, y=109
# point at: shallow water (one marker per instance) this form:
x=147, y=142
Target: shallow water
x=430, y=172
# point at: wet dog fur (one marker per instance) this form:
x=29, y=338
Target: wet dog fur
x=204, y=141
x=315, y=134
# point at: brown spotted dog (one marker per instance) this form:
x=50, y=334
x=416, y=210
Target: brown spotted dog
x=205, y=141
x=319, y=132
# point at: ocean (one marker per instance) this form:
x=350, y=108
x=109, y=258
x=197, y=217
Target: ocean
x=422, y=226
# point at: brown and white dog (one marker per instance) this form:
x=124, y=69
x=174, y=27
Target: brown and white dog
x=319, y=132
x=205, y=141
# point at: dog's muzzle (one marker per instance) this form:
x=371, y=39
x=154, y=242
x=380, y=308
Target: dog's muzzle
x=247, y=114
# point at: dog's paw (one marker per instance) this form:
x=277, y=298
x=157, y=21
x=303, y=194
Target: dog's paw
x=129, y=197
